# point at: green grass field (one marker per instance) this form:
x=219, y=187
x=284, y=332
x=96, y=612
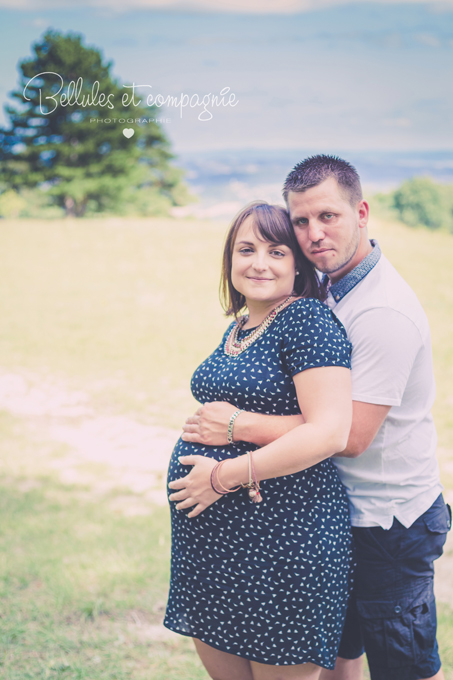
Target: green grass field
x=125, y=310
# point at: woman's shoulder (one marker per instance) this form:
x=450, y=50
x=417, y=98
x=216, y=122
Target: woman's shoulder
x=311, y=313
x=313, y=337
x=308, y=307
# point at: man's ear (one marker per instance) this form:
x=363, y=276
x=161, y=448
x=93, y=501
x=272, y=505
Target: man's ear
x=363, y=210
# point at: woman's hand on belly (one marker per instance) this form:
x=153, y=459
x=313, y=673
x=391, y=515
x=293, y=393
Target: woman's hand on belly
x=209, y=424
x=195, y=489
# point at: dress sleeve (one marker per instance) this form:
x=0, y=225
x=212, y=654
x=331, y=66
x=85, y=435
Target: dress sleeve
x=313, y=337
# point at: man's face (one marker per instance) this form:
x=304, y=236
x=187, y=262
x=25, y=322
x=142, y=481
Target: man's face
x=326, y=226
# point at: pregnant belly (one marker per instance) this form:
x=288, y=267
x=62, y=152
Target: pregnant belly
x=321, y=479
x=182, y=448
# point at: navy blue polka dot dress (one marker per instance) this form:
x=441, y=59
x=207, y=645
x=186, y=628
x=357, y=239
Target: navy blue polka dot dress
x=267, y=582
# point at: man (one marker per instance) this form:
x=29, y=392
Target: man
x=389, y=467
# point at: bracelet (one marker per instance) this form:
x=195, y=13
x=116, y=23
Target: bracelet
x=231, y=425
x=253, y=484
x=216, y=483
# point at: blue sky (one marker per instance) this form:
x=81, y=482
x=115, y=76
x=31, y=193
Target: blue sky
x=346, y=76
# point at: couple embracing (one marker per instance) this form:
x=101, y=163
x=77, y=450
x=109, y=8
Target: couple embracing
x=305, y=495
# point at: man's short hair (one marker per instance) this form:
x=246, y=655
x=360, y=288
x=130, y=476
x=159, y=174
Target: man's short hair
x=316, y=169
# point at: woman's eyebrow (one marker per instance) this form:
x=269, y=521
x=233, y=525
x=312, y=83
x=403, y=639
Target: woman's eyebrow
x=271, y=243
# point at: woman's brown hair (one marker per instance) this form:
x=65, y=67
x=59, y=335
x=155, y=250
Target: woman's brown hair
x=272, y=224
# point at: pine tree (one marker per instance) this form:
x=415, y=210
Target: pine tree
x=51, y=143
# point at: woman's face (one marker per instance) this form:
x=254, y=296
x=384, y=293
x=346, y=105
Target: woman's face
x=261, y=271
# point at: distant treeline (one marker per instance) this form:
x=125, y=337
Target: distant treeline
x=419, y=202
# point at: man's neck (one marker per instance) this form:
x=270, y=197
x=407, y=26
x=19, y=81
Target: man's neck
x=363, y=250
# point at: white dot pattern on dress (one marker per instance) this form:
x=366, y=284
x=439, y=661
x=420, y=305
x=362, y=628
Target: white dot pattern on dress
x=267, y=582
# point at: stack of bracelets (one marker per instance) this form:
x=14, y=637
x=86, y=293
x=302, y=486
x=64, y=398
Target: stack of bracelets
x=252, y=485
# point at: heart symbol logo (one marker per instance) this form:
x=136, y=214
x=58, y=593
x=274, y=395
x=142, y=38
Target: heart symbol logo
x=128, y=132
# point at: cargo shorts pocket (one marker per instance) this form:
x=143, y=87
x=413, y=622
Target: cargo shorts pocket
x=438, y=522
x=400, y=632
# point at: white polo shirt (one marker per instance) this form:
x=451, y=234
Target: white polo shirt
x=398, y=475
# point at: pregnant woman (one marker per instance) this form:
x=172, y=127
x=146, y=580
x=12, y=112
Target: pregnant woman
x=261, y=545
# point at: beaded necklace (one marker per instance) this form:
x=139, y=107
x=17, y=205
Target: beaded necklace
x=234, y=347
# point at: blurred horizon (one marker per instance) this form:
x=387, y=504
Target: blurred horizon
x=225, y=180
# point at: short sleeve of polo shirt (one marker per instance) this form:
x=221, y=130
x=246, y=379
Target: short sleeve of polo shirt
x=313, y=337
x=385, y=344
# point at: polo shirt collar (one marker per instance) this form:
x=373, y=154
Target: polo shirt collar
x=342, y=287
